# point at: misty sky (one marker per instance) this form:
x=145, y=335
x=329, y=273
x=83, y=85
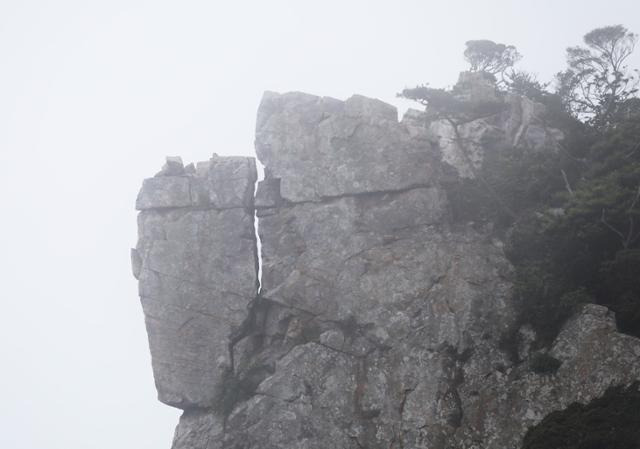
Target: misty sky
x=93, y=95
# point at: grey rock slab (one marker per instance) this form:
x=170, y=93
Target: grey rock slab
x=221, y=183
x=199, y=429
x=308, y=403
x=230, y=181
x=197, y=272
x=268, y=194
x=321, y=147
x=164, y=192
x=382, y=259
x=172, y=167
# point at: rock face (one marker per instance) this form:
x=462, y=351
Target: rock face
x=322, y=148
x=196, y=263
x=379, y=318
x=594, y=356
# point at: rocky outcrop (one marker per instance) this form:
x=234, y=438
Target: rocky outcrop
x=196, y=262
x=508, y=122
x=379, y=319
x=593, y=356
x=320, y=147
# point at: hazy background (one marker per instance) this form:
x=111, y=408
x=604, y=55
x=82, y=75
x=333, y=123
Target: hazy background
x=93, y=95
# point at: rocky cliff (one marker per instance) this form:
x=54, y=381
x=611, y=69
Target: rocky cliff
x=379, y=317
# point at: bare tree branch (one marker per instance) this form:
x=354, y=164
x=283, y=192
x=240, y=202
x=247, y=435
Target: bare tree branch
x=566, y=182
x=604, y=221
x=635, y=200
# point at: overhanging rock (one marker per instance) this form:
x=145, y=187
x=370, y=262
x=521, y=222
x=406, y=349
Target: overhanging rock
x=196, y=262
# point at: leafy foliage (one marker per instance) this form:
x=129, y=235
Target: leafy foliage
x=589, y=251
x=453, y=104
x=597, y=81
x=435, y=99
x=526, y=84
x=490, y=57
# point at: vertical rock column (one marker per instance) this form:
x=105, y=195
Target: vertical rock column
x=196, y=262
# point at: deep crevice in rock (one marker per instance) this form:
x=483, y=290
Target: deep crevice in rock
x=331, y=198
x=256, y=224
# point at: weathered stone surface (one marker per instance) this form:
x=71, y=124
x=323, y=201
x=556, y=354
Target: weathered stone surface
x=164, y=192
x=199, y=429
x=229, y=182
x=268, y=194
x=197, y=271
x=306, y=403
x=380, y=318
x=412, y=294
x=322, y=147
x=373, y=272
x=222, y=182
x=594, y=357
x=476, y=87
x=172, y=167
x=382, y=260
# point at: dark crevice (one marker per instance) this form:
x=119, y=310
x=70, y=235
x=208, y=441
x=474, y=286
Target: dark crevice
x=202, y=207
x=284, y=203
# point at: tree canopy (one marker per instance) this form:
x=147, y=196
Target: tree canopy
x=597, y=80
x=487, y=56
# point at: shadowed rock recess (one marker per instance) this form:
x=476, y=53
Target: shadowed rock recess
x=379, y=317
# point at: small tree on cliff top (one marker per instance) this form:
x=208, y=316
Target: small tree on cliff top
x=487, y=56
x=597, y=81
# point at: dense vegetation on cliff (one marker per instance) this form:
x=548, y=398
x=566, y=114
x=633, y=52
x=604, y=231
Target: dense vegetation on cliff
x=571, y=217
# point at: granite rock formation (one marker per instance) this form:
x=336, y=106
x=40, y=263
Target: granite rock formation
x=196, y=262
x=379, y=318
